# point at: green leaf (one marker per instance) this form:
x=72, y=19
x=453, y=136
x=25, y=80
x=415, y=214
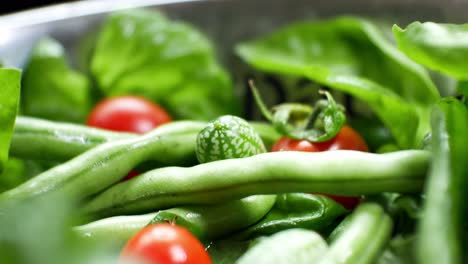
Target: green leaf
x=51, y=89
x=462, y=88
x=39, y=231
x=441, y=47
x=351, y=55
x=142, y=52
x=300, y=121
x=9, y=98
x=13, y=174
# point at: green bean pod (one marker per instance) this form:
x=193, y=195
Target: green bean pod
x=295, y=210
x=106, y=164
x=440, y=232
x=360, y=238
x=39, y=139
x=298, y=246
x=205, y=222
x=117, y=230
x=210, y=222
x=340, y=172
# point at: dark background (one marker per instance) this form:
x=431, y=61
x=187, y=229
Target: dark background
x=20, y=5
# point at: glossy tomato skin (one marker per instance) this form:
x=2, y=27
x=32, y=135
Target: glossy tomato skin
x=165, y=243
x=347, y=139
x=128, y=114
x=130, y=175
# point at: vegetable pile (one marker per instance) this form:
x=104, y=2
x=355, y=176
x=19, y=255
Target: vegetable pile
x=141, y=151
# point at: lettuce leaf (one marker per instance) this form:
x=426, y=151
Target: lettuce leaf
x=10, y=80
x=441, y=47
x=51, y=89
x=351, y=55
x=142, y=52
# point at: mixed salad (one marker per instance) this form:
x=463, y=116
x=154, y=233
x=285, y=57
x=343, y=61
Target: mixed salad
x=141, y=151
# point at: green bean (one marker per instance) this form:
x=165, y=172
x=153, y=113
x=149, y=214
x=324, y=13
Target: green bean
x=440, y=236
x=361, y=237
x=103, y=166
x=206, y=222
x=210, y=222
x=40, y=139
x=289, y=246
x=117, y=230
x=340, y=172
x=295, y=210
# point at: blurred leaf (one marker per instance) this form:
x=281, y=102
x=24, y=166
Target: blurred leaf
x=441, y=47
x=399, y=251
x=51, y=89
x=462, y=88
x=13, y=174
x=226, y=251
x=38, y=231
x=142, y=52
x=9, y=99
x=351, y=55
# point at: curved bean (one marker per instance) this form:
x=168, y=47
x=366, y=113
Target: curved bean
x=295, y=210
x=340, y=172
x=289, y=246
x=40, y=139
x=117, y=229
x=107, y=163
x=439, y=236
x=35, y=138
x=360, y=238
x=210, y=222
x=206, y=222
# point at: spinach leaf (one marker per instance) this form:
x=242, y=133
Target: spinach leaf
x=10, y=80
x=142, y=52
x=351, y=55
x=51, y=89
x=441, y=47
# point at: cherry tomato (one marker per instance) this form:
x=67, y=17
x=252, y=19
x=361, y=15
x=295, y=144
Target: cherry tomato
x=347, y=138
x=348, y=202
x=127, y=114
x=130, y=175
x=165, y=244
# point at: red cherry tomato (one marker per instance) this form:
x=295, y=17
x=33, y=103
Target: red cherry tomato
x=165, y=244
x=130, y=175
x=347, y=138
x=127, y=114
